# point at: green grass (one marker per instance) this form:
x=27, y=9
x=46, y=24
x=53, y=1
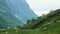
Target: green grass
x=45, y=28
x=36, y=31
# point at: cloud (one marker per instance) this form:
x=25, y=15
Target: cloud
x=40, y=6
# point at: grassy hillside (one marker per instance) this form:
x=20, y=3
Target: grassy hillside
x=52, y=17
x=46, y=24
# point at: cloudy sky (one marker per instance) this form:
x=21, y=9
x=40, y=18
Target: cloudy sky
x=43, y=6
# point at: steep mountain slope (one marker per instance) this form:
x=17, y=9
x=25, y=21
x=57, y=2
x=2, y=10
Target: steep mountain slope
x=46, y=24
x=8, y=20
x=21, y=9
x=14, y=12
x=49, y=21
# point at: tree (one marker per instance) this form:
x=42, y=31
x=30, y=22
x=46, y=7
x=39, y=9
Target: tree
x=28, y=21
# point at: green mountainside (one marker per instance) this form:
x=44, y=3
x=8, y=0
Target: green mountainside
x=46, y=24
x=51, y=19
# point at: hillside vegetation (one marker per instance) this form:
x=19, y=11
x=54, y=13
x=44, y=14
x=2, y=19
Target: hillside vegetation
x=46, y=24
x=49, y=23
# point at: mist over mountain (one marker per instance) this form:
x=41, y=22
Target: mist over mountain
x=14, y=13
x=21, y=9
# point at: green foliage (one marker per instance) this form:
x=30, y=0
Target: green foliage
x=46, y=24
x=34, y=23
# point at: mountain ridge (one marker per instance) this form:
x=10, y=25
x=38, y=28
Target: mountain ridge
x=14, y=13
